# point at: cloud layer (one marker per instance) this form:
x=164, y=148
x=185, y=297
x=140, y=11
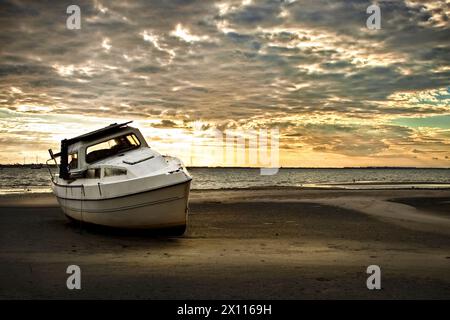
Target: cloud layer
x=310, y=68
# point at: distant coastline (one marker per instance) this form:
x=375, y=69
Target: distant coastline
x=26, y=165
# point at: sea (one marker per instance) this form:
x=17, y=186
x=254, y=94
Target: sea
x=26, y=180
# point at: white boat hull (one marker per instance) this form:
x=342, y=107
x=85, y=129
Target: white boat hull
x=158, y=208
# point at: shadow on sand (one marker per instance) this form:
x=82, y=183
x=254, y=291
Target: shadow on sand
x=161, y=233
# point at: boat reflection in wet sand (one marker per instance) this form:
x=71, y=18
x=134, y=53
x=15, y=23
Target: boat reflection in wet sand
x=111, y=177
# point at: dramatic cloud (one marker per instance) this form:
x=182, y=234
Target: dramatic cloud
x=334, y=88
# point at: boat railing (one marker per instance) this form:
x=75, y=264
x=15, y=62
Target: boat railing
x=52, y=157
x=49, y=168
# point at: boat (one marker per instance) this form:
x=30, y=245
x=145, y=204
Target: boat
x=36, y=165
x=111, y=177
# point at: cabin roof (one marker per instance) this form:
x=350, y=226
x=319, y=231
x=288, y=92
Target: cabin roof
x=112, y=128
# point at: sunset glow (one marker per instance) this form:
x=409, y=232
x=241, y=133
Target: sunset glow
x=339, y=94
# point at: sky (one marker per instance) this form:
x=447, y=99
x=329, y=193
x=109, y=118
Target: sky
x=336, y=92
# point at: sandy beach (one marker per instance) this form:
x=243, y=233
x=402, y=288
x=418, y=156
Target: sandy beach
x=252, y=244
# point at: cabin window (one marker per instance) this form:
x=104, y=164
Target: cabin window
x=73, y=161
x=93, y=173
x=111, y=147
x=109, y=172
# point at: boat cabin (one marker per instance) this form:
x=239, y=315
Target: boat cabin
x=78, y=153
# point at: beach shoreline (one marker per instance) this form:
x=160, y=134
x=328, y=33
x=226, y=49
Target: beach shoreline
x=267, y=243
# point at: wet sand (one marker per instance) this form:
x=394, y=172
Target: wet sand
x=240, y=244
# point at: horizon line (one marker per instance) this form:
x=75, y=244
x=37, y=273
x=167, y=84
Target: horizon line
x=246, y=167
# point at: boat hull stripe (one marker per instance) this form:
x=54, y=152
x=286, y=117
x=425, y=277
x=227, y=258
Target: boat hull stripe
x=123, y=208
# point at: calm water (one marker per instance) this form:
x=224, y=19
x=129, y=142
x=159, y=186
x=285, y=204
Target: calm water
x=37, y=180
